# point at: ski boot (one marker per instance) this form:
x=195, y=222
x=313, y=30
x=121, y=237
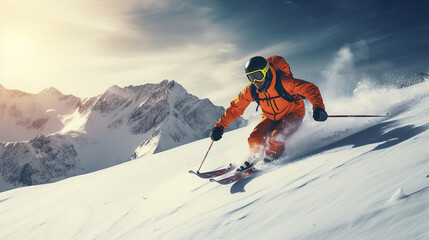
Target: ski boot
x=246, y=165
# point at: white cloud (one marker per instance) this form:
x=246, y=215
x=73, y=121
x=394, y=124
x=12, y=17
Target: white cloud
x=83, y=47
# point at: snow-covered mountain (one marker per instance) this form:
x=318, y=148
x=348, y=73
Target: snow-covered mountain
x=24, y=116
x=49, y=136
x=351, y=178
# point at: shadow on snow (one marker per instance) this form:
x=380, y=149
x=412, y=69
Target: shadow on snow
x=378, y=133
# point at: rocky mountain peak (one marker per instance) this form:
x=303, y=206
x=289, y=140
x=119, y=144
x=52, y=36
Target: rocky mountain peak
x=51, y=91
x=74, y=134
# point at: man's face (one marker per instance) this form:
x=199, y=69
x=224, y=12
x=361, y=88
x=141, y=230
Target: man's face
x=259, y=84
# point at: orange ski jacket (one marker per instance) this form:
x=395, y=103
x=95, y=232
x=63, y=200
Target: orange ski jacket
x=273, y=106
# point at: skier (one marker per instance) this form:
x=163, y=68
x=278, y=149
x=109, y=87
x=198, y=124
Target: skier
x=280, y=97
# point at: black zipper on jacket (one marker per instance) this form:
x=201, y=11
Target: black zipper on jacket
x=274, y=101
x=271, y=105
x=268, y=99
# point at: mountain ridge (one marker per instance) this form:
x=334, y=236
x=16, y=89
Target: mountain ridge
x=130, y=121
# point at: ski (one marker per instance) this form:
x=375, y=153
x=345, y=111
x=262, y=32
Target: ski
x=237, y=176
x=215, y=173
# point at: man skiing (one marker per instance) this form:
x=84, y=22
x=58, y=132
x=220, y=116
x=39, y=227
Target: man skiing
x=280, y=97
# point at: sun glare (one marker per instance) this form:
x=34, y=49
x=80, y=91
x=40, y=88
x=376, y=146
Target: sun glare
x=17, y=49
x=19, y=53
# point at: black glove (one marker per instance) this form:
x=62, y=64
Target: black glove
x=216, y=133
x=320, y=114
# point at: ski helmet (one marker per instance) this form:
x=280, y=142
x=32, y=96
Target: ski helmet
x=257, y=69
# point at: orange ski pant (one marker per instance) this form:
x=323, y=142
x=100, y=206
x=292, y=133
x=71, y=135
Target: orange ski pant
x=270, y=136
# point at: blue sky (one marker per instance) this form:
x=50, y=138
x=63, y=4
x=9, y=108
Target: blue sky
x=82, y=47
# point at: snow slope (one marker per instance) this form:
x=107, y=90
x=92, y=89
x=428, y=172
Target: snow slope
x=341, y=179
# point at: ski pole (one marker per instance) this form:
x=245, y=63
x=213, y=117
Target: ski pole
x=205, y=157
x=355, y=116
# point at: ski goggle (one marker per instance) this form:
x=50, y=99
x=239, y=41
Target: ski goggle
x=258, y=75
